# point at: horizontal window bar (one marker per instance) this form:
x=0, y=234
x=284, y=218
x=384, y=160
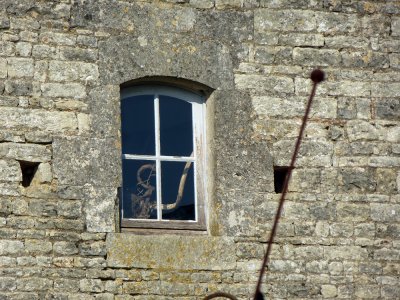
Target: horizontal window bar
x=161, y=157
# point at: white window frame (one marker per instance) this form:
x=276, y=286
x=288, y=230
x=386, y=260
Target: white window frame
x=198, y=158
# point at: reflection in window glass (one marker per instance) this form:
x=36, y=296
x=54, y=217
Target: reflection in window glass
x=137, y=121
x=177, y=191
x=176, y=134
x=139, y=189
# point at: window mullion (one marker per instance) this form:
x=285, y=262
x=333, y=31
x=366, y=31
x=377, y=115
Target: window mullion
x=158, y=152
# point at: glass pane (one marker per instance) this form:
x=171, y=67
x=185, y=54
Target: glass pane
x=178, y=201
x=176, y=133
x=139, y=189
x=137, y=122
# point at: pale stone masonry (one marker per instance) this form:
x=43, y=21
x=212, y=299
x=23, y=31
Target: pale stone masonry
x=61, y=66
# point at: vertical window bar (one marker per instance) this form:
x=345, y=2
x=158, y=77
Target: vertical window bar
x=158, y=163
x=195, y=137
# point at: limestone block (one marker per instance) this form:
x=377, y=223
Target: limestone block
x=385, y=89
x=10, y=188
x=388, y=109
x=66, y=90
x=331, y=88
x=65, y=248
x=365, y=59
x=283, y=20
x=11, y=247
x=57, y=38
x=8, y=284
x=343, y=41
x=78, y=161
x=276, y=84
x=72, y=71
x=357, y=179
x=80, y=54
x=395, y=26
x=317, y=267
x=11, y=171
x=312, y=152
x=93, y=248
x=66, y=285
x=20, y=67
x=293, y=106
x=316, y=57
x=273, y=55
x=7, y=48
x=301, y=39
x=361, y=130
x=105, y=102
x=335, y=23
x=201, y=3
x=385, y=212
x=345, y=253
x=26, y=152
x=45, y=121
x=3, y=69
x=89, y=41
x=69, y=209
x=44, y=173
x=34, y=284
x=18, y=88
x=44, y=51
x=356, y=212
x=384, y=161
x=100, y=209
x=39, y=247
x=91, y=285
x=390, y=291
x=23, y=49
x=169, y=252
x=121, y=59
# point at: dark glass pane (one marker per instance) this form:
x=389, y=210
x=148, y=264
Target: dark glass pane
x=137, y=122
x=177, y=191
x=176, y=133
x=139, y=189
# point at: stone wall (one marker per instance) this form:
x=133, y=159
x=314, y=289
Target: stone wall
x=61, y=66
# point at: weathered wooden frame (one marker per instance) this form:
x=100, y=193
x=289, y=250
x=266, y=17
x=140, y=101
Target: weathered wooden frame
x=198, y=158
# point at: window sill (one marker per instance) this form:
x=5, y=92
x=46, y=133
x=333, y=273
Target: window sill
x=128, y=225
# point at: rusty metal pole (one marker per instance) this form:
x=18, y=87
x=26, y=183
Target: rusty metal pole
x=316, y=76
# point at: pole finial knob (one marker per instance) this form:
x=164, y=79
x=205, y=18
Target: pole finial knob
x=317, y=76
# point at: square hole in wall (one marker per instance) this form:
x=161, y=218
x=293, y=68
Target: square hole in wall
x=280, y=174
x=28, y=169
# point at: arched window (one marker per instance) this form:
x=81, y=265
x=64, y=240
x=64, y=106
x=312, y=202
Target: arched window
x=163, y=141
